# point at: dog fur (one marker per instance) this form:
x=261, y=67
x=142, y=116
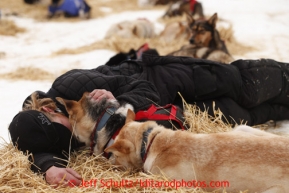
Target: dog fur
x=140, y=28
x=205, y=42
x=83, y=116
x=181, y=7
x=248, y=158
x=175, y=31
x=149, y=3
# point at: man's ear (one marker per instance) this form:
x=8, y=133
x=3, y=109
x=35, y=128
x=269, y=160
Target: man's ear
x=120, y=146
x=47, y=109
x=130, y=116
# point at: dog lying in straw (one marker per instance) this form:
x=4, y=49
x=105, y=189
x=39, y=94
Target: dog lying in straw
x=249, y=159
x=205, y=41
x=95, y=123
x=98, y=123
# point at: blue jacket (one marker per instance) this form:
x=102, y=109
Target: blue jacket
x=71, y=8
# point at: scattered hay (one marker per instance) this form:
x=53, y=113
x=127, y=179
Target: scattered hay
x=16, y=176
x=28, y=73
x=201, y=122
x=124, y=45
x=8, y=28
x=15, y=173
x=18, y=7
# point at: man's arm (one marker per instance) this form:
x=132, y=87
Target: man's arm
x=73, y=84
x=53, y=166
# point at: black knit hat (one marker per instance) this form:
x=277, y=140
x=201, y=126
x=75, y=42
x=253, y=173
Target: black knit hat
x=32, y=131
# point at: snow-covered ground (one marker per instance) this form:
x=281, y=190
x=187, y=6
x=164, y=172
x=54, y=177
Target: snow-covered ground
x=263, y=24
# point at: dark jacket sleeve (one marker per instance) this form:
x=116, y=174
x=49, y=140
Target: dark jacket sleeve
x=72, y=85
x=41, y=162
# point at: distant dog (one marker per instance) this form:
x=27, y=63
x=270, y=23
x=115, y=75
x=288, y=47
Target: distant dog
x=181, y=7
x=140, y=28
x=205, y=42
x=145, y=3
x=249, y=159
x=95, y=123
x=175, y=31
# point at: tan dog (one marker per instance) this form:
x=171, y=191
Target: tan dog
x=249, y=159
x=95, y=123
x=140, y=28
x=175, y=31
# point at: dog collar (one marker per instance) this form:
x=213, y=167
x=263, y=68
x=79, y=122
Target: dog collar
x=102, y=120
x=109, y=143
x=144, y=150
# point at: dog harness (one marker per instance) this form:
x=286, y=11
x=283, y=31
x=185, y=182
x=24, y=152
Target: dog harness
x=100, y=123
x=109, y=143
x=192, y=4
x=168, y=112
x=165, y=113
x=144, y=151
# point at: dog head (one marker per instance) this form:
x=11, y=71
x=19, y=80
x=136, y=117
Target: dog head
x=83, y=115
x=126, y=148
x=203, y=31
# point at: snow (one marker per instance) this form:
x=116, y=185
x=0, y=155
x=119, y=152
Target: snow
x=261, y=23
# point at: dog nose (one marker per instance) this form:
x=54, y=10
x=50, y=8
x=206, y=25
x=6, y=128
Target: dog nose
x=192, y=41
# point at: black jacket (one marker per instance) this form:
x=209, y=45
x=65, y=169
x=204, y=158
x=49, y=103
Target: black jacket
x=252, y=91
x=239, y=89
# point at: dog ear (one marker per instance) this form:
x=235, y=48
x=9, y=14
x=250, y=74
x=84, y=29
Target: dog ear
x=213, y=20
x=130, y=116
x=190, y=19
x=68, y=104
x=122, y=146
x=135, y=31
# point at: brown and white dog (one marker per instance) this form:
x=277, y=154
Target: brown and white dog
x=95, y=123
x=248, y=158
x=98, y=123
x=205, y=41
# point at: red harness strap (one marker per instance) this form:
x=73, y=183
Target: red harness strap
x=110, y=142
x=151, y=115
x=192, y=4
x=148, y=148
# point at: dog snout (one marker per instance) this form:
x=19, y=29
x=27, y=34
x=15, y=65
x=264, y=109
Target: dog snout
x=192, y=41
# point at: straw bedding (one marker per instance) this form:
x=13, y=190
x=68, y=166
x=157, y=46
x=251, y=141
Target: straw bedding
x=8, y=28
x=16, y=176
x=28, y=73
